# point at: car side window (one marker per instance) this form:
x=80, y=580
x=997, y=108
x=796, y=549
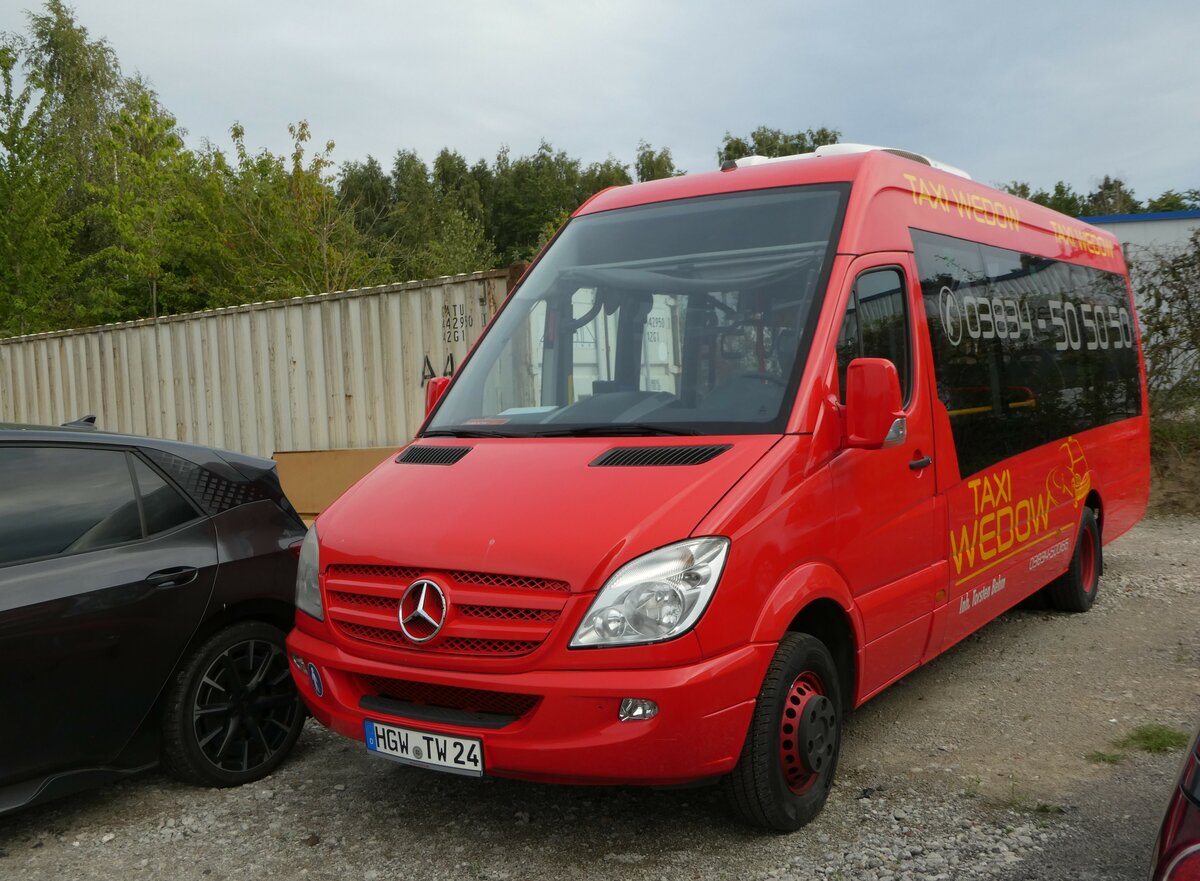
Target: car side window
x=876, y=325
x=849, y=345
x=162, y=505
x=64, y=500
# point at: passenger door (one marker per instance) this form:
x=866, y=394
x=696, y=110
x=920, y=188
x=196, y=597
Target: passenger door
x=887, y=531
x=105, y=572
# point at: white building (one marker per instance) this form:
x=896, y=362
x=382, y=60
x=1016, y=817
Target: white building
x=1155, y=231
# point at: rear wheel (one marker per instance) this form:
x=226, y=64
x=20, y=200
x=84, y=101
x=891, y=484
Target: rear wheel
x=787, y=764
x=1075, y=591
x=232, y=712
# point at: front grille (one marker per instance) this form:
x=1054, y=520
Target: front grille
x=466, y=645
x=503, y=613
x=392, y=573
x=482, y=579
x=365, y=600
x=488, y=614
x=449, y=696
x=519, y=582
x=456, y=645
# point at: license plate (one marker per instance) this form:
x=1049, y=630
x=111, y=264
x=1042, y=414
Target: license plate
x=458, y=755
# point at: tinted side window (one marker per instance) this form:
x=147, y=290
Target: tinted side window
x=162, y=505
x=849, y=345
x=1027, y=350
x=883, y=319
x=875, y=325
x=60, y=500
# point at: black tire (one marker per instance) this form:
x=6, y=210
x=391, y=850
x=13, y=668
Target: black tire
x=232, y=712
x=1075, y=590
x=773, y=786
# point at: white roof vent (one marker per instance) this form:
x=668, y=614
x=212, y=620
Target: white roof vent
x=843, y=150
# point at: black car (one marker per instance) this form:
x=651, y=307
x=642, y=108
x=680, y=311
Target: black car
x=145, y=590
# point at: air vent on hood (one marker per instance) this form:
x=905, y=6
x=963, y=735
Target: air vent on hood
x=432, y=455
x=634, y=457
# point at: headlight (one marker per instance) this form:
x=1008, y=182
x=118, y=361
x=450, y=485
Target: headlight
x=656, y=597
x=308, y=586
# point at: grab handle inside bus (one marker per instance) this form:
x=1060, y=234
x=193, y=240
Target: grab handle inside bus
x=874, y=414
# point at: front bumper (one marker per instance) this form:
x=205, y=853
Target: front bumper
x=572, y=735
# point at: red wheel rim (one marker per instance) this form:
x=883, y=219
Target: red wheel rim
x=1087, y=561
x=797, y=776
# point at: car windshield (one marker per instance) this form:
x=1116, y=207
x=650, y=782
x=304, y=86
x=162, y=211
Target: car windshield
x=684, y=317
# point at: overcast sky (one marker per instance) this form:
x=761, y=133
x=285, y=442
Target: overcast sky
x=1037, y=91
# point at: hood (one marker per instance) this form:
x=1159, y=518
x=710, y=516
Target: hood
x=533, y=507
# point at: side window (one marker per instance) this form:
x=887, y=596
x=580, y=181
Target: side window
x=63, y=500
x=162, y=505
x=848, y=343
x=1026, y=349
x=876, y=325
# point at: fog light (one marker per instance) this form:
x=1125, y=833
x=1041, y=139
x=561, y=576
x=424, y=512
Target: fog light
x=634, y=709
x=298, y=661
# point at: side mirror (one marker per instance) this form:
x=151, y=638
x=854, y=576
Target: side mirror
x=874, y=414
x=434, y=388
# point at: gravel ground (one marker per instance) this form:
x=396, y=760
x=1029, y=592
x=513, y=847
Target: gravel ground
x=972, y=767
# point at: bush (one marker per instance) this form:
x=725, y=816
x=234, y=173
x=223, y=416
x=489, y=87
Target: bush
x=1166, y=285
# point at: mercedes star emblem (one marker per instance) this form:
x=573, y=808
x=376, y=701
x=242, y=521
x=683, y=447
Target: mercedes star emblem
x=422, y=611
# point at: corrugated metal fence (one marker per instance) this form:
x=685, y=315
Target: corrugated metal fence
x=328, y=371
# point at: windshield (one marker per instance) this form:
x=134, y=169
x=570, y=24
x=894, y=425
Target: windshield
x=683, y=317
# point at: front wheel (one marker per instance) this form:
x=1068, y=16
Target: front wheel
x=787, y=764
x=232, y=712
x=1075, y=591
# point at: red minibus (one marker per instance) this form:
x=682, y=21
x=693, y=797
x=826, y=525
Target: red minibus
x=742, y=449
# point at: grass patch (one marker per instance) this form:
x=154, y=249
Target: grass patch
x=1154, y=738
x=1102, y=758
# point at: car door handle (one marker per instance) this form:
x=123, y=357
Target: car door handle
x=918, y=464
x=177, y=576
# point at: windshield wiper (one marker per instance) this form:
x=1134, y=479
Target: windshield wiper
x=620, y=429
x=466, y=432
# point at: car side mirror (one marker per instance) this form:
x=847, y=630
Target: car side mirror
x=874, y=408
x=434, y=388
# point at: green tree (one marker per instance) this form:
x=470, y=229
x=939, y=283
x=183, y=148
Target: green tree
x=280, y=225
x=1018, y=188
x=765, y=141
x=458, y=243
x=413, y=217
x=83, y=84
x=35, y=259
x=1064, y=199
x=485, y=181
x=1111, y=196
x=602, y=175
x=142, y=205
x=1189, y=200
x=455, y=187
x=550, y=230
x=530, y=192
x=653, y=164
x=365, y=190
